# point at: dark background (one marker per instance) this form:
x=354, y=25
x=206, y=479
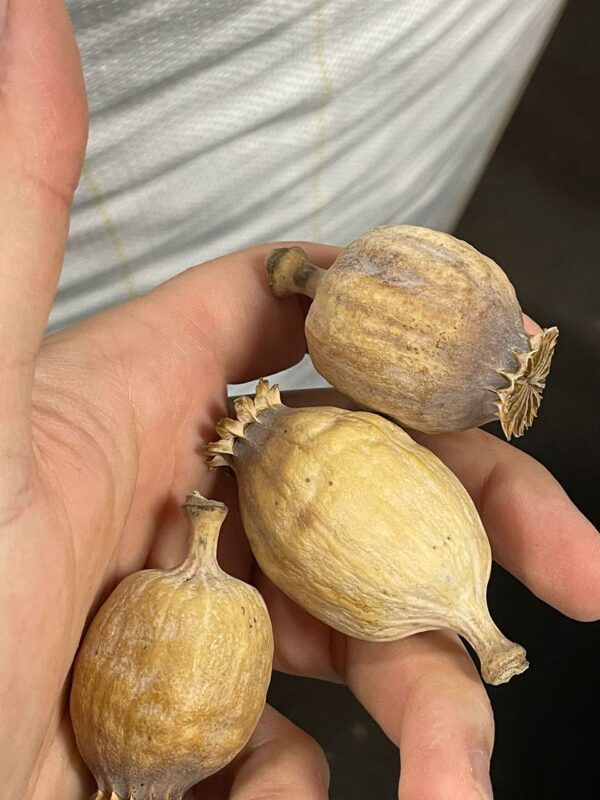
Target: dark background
x=535, y=212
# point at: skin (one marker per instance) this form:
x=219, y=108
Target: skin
x=100, y=428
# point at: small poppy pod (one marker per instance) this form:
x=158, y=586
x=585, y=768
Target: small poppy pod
x=171, y=678
x=421, y=327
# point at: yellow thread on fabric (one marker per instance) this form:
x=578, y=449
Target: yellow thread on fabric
x=326, y=87
x=111, y=228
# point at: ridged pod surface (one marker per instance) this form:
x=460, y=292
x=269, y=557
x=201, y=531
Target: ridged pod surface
x=361, y=526
x=420, y=326
x=171, y=678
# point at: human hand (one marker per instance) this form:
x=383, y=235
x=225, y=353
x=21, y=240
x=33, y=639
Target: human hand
x=100, y=428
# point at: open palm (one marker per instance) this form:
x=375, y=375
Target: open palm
x=100, y=432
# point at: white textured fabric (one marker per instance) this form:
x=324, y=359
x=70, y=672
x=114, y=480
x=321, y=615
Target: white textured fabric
x=218, y=124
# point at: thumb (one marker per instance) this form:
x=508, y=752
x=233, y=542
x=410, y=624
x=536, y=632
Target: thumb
x=43, y=124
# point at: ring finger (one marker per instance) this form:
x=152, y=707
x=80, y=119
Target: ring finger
x=425, y=693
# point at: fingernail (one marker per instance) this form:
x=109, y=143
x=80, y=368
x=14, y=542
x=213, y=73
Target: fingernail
x=480, y=767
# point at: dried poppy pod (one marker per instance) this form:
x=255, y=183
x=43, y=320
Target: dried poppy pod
x=421, y=327
x=171, y=678
x=361, y=526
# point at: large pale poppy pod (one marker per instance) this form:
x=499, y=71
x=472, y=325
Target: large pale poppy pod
x=361, y=526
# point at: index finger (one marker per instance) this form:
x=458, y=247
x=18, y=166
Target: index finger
x=229, y=303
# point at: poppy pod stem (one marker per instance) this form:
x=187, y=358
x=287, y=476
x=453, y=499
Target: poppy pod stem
x=290, y=272
x=207, y=518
